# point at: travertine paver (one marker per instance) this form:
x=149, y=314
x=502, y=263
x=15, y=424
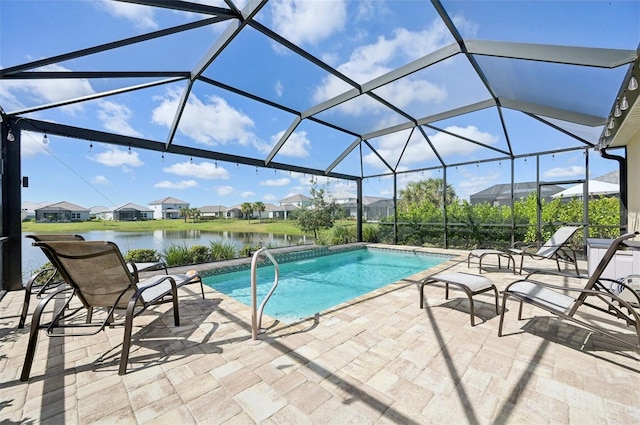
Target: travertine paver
x=377, y=360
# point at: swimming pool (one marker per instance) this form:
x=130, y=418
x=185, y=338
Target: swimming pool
x=310, y=286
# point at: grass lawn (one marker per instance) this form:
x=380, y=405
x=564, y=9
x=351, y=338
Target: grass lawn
x=280, y=227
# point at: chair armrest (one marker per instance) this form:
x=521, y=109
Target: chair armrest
x=48, y=282
x=133, y=269
x=143, y=286
x=587, y=292
x=555, y=273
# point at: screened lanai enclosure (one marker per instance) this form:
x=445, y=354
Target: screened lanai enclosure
x=378, y=98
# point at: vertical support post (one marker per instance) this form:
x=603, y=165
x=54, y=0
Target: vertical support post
x=513, y=200
x=585, y=202
x=359, y=210
x=395, y=208
x=539, y=203
x=11, y=219
x=444, y=207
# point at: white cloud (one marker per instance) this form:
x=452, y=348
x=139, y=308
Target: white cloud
x=224, y=190
x=418, y=150
x=31, y=144
x=100, y=180
x=296, y=146
x=279, y=88
x=184, y=184
x=114, y=157
x=212, y=122
x=247, y=194
x=572, y=171
x=275, y=182
x=372, y=60
x=114, y=117
x=141, y=16
x=202, y=170
x=303, y=21
x=474, y=183
x=269, y=197
x=45, y=91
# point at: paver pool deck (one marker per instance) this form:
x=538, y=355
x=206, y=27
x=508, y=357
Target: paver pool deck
x=378, y=359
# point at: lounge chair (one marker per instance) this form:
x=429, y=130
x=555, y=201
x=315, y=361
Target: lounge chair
x=599, y=293
x=98, y=277
x=556, y=248
x=47, y=279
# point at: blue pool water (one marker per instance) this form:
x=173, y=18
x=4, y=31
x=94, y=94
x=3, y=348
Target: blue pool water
x=310, y=286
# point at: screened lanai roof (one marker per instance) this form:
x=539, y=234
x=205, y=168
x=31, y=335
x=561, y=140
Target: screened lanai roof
x=374, y=88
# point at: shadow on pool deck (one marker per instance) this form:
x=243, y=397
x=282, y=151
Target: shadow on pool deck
x=377, y=359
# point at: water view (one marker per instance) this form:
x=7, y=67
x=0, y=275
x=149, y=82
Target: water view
x=33, y=258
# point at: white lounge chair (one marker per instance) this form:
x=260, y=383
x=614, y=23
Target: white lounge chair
x=556, y=248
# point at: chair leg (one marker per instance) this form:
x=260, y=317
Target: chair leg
x=25, y=307
x=495, y=291
x=504, y=304
x=33, y=338
x=521, y=262
x=126, y=339
x=520, y=310
x=472, y=310
x=176, y=313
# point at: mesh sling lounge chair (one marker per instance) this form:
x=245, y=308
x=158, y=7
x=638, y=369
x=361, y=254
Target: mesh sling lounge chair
x=599, y=293
x=556, y=248
x=47, y=279
x=98, y=277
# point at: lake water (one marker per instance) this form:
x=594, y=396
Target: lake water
x=33, y=258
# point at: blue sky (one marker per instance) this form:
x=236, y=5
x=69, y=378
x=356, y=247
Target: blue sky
x=363, y=40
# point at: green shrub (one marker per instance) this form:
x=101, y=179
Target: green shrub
x=248, y=250
x=343, y=234
x=142, y=256
x=177, y=255
x=323, y=238
x=222, y=250
x=370, y=233
x=199, y=254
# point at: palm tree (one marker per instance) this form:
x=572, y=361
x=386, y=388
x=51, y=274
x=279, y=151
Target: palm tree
x=195, y=214
x=185, y=212
x=247, y=209
x=259, y=207
x=430, y=190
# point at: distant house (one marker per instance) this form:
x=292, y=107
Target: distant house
x=128, y=212
x=28, y=209
x=297, y=200
x=373, y=208
x=280, y=212
x=233, y=212
x=217, y=211
x=344, y=197
x=500, y=194
x=62, y=212
x=96, y=212
x=167, y=208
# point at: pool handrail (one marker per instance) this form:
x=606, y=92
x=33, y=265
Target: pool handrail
x=256, y=314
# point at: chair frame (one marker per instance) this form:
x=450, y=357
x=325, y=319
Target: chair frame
x=50, y=283
x=594, y=287
x=135, y=306
x=562, y=252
